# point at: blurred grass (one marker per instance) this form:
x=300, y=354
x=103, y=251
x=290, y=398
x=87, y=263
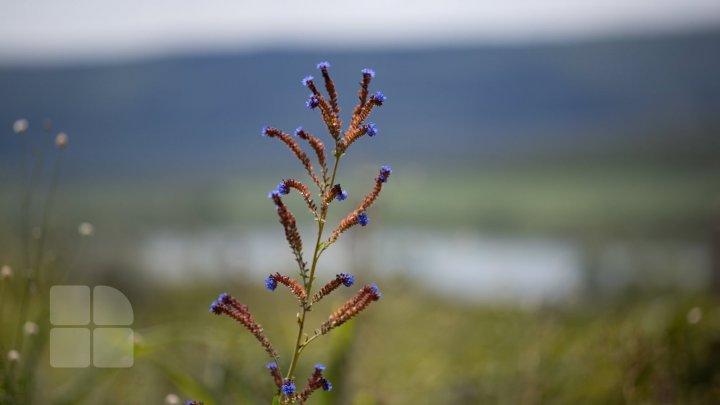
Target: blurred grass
x=411, y=348
x=576, y=198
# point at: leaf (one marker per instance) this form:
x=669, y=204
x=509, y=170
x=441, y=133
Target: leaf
x=276, y=400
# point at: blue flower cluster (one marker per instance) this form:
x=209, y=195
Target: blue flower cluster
x=347, y=279
x=379, y=97
x=326, y=385
x=385, y=172
x=312, y=102
x=282, y=188
x=376, y=290
x=371, y=129
x=288, y=388
x=368, y=71
x=270, y=283
x=362, y=219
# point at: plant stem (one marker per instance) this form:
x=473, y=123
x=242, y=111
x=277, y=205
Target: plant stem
x=35, y=268
x=321, y=225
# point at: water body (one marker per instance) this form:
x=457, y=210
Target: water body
x=464, y=264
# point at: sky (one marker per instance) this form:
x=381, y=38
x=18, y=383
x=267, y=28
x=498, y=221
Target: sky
x=62, y=30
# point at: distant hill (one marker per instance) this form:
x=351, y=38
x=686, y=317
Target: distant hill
x=184, y=116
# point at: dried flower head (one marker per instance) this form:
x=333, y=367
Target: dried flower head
x=20, y=126
x=172, y=399
x=47, y=124
x=30, y=328
x=6, y=272
x=61, y=140
x=86, y=229
x=13, y=356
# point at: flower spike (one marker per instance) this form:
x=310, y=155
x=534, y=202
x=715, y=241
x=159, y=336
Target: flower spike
x=302, y=189
x=275, y=373
x=287, y=219
x=328, y=190
x=332, y=121
x=294, y=147
x=288, y=282
x=341, y=279
x=318, y=147
x=330, y=87
x=352, y=307
x=335, y=192
x=367, y=75
x=315, y=382
x=245, y=318
x=380, y=180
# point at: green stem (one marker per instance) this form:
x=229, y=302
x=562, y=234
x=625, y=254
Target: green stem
x=304, y=309
x=34, y=270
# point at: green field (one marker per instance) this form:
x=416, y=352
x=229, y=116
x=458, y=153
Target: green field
x=410, y=348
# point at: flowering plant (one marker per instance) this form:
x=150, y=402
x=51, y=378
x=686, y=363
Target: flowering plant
x=328, y=192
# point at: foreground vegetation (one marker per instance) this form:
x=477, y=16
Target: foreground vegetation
x=660, y=348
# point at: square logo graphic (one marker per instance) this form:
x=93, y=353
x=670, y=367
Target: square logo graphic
x=75, y=343
x=70, y=305
x=70, y=347
x=113, y=347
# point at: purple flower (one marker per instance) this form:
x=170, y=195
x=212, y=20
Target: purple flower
x=376, y=291
x=298, y=130
x=347, y=279
x=215, y=308
x=319, y=367
x=264, y=131
x=270, y=283
x=385, y=173
x=371, y=129
x=271, y=366
x=273, y=194
x=323, y=65
x=312, y=102
x=362, y=219
x=223, y=298
x=306, y=80
x=342, y=195
x=379, y=98
x=282, y=188
x=369, y=72
x=326, y=385
x=288, y=388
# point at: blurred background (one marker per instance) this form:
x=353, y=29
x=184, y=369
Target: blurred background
x=550, y=234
